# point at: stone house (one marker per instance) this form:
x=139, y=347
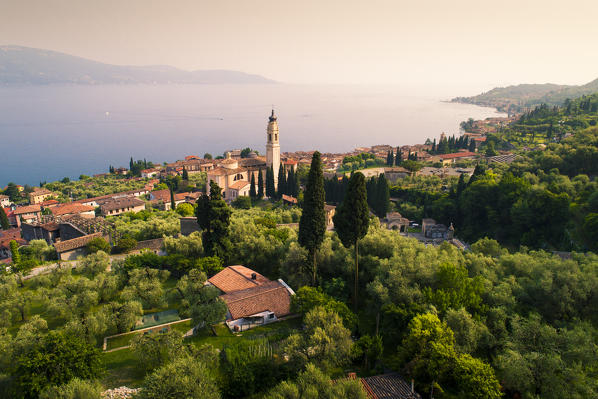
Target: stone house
x=27, y=214
x=432, y=230
x=39, y=195
x=73, y=248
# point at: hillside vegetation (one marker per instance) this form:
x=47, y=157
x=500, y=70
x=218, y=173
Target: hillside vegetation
x=517, y=98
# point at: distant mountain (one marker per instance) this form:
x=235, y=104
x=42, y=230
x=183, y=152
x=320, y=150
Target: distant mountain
x=30, y=66
x=518, y=98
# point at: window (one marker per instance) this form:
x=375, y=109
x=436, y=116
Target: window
x=271, y=316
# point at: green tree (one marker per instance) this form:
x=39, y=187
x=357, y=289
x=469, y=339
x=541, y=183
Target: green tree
x=13, y=192
x=55, y=360
x=282, y=182
x=185, y=174
x=185, y=209
x=213, y=216
x=154, y=350
x=270, y=187
x=98, y=244
x=125, y=244
x=312, y=224
x=260, y=185
x=4, y=223
x=382, y=197
x=94, y=264
x=351, y=220
x=368, y=348
x=324, y=341
x=172, y=201
x=145, y=285
x=312, y=383
x=252, y=189
x=207, y=155
x=184, y=378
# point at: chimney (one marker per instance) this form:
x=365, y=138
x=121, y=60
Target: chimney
x=412, y=389
x=253, y=276
x=352, y=376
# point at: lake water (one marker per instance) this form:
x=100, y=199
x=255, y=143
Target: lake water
x=51, y=132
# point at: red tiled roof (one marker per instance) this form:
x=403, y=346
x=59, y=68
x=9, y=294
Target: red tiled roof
x=68, y=209
x=120, y=203
x=79, y=242
x=27, y=209
x=289, y=198
x=239, y=185
x=235, y=278
x=271, y=296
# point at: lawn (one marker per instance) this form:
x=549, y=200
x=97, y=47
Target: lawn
x=121, y=369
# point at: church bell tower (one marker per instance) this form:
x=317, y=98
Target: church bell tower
x=273, y=147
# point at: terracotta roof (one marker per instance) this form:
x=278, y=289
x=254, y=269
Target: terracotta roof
x=388, y=386
x=27, y=209
x=2, y=196
x=235, y=278
x=48, y=203
x=457, y=155
x=79, y=242
x=68, y=209
x=41, y=191
x=329, y=208
x=272, y=296
x=289, y=198
x=120, y=203
x=239, y=185
x=224, y=171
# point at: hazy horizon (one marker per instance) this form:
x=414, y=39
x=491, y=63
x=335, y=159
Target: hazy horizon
x=462, y=47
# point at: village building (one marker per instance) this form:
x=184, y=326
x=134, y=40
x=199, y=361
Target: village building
x=430, y=229
x=39, y=195
x=82, y=210
x=76, y=247
x=396, y=221
x=117, y=206
x=251, y=299
x=233, y=176
x=161, y=199
x=6, y=236
x=27, y=214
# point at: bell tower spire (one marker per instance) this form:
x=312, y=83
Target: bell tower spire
x=273, y=146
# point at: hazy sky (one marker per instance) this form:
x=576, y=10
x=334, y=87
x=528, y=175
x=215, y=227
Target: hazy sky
x=465, y=44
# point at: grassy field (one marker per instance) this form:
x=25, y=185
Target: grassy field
x=122, y=367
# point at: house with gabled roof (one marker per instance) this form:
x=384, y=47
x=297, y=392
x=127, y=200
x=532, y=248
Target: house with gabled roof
x=251, y=299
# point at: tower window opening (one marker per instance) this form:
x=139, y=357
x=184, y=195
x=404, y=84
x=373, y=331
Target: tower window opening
x=276, y=137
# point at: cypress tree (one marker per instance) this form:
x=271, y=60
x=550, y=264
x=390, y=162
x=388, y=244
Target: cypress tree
x=185, y=174
x=270, y=188
x=172, y=203
x=312, y=224
x=213, y=217
x=382, y=196
x=293, y=183
x=398, y=157
x=252, y=191
x=131, y=163
x=282, y=181
x=351, y=220
x=4, y=223
x=260, y=185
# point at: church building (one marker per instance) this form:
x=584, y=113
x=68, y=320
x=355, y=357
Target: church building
x=234, y=175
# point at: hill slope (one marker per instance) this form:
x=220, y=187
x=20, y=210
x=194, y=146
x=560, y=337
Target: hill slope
x=518, y=98
x=24, y=65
